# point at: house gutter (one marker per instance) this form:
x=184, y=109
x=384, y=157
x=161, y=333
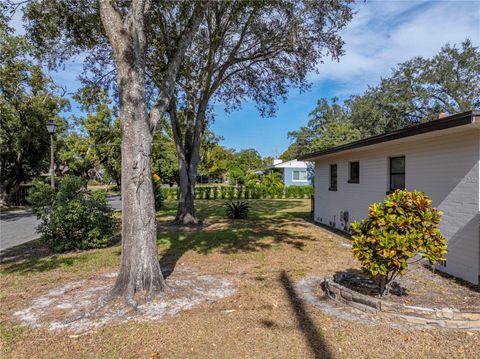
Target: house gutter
x=460, y=119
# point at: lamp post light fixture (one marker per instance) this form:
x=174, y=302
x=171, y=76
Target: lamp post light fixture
x=52, y=128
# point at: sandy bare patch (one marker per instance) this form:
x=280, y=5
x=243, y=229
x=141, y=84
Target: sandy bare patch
x=72, y=306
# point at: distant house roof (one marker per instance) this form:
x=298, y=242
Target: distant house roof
x=287, y=164
x=460, y=119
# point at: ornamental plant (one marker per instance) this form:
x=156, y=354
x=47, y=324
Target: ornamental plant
x=236, y=209
x=403, y=226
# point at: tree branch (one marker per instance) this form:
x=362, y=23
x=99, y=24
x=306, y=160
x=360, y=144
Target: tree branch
x=111, y=19
x=168, y=87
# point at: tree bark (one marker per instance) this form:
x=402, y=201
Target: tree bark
x=186, y=200
x=139, y=269
x=187, y=144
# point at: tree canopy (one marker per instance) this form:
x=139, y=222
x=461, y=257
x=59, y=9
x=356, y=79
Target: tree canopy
x=28, y=99
x=416, y=91
x=247, y=50
x=91, y=148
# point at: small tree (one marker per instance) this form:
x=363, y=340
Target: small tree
x=403, y=226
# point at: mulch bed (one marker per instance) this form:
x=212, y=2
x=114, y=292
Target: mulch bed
x=419, y=286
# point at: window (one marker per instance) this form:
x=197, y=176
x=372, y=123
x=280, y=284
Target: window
x=397, y=173
x=333, y=178
x=354, y=174
x=300, y=176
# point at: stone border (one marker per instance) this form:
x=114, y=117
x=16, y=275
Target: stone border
x=444, y=317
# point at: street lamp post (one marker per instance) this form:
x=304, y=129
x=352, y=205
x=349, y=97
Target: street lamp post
x=52, y=128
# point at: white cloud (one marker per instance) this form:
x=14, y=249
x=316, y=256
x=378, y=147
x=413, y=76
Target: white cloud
x=383, y=34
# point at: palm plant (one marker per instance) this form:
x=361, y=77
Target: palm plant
x=237, y=209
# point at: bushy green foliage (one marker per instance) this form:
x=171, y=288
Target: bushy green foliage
x=298, y=191
x=237, y=209
x=403, y=226
x=158, y=194
x=415, y=91
x=258, y=191
x=170, y=192
x=231, y=192
x=70, y=217
x=27, y=101
x=252, y=179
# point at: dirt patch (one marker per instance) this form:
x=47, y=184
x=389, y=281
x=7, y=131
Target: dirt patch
x=73, y=306
x=420, y=286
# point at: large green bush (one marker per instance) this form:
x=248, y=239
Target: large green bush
x=403, y=226
x=70, y=218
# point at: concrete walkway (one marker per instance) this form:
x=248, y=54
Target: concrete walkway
x=18, y=227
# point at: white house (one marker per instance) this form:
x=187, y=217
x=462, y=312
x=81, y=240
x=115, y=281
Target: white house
x=440, y=158
x=294, y=172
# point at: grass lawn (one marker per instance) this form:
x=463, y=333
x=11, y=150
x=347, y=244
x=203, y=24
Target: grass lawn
x=262, y=257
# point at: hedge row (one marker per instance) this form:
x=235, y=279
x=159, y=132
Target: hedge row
x=242, y=192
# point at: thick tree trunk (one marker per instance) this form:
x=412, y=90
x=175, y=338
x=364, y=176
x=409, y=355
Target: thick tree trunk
x=186, y=200
x=188, y=152
x=140, y=268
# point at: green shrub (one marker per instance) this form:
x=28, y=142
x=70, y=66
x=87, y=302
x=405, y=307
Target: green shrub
x=114, y=188
x=240, y=192
x=223, y=192
x=237, y=209
x=198, y=193
x=215, y=192
x=398, y=229
x=70, y=218
x=158, y=195
x=208, y=192
x=231, y=192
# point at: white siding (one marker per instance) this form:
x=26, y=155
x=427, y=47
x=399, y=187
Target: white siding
x=444, y=165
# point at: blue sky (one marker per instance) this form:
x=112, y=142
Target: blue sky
x=381, y=34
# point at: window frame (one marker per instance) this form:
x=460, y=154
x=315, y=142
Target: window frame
x=390, y=173
x=350, y=180
x=299, y=180
x=333, y=188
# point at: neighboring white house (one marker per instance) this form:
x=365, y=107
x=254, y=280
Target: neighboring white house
x=294, y=172
x=440, y=158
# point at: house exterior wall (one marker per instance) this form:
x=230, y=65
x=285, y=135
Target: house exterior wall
x=445, y=167
x=288, y=177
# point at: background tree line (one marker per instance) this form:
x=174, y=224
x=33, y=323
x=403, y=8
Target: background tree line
x=416, y=91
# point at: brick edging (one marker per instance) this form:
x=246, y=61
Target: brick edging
x=444, y=317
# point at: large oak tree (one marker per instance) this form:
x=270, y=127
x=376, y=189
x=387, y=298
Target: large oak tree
x=246, y=50
x=116, y=37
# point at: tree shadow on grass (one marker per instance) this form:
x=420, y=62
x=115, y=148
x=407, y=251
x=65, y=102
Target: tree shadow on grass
x=25, y=251
x=260, y=208
x=314, y=337
x=35, y=256
x=41, y=264
x=234, y=237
